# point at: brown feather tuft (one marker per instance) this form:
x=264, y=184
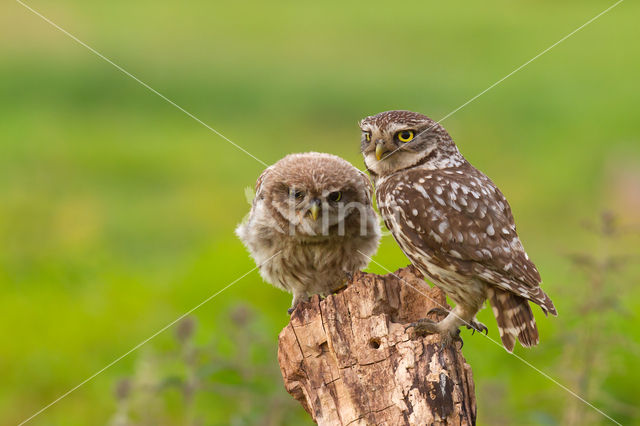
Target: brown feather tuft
x=515, y=319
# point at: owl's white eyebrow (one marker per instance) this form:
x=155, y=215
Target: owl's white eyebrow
x=394, y=127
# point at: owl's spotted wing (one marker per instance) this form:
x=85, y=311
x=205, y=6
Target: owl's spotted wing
x=457, y=217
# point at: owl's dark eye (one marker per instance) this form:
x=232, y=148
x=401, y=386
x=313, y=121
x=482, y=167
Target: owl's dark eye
x=367, y=136
x=296, y=194
x=335, y=196
x=405, y=135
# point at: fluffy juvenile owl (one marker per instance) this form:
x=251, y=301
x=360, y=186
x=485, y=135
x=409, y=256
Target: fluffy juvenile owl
x=454, y=224
x=312, y=217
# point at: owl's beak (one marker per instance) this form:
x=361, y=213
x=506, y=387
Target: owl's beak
x=315, y=208
x=380, y=150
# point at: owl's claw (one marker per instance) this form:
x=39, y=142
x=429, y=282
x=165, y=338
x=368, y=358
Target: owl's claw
x=438, y=311
x=297, y=299
x=448, y=339
x=475, y=325
x=425, y=326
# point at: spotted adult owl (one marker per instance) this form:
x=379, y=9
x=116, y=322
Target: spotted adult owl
x=311, y=224
x=454, y=225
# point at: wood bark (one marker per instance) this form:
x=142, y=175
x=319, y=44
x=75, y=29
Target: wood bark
x=349, y=361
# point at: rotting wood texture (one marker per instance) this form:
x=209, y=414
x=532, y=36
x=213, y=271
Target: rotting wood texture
x=348, y=360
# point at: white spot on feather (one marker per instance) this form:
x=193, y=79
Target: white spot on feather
x=421, y=190
x=435, y=236
x=443, y=226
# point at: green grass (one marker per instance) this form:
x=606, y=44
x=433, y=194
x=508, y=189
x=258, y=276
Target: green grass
x=117, y=210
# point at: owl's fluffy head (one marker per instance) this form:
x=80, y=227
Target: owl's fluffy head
x=316, y=195
x=396, y=140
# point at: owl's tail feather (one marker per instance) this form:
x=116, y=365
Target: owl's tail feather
x=540, y=297
x=515, y=319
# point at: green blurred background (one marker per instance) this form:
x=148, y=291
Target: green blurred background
x=117, y=210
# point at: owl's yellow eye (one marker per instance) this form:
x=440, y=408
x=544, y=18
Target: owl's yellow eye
x=367, y=136
x=335, y=196
x=405, y=135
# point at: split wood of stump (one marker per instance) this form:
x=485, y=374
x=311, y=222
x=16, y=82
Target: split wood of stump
x=349, y=361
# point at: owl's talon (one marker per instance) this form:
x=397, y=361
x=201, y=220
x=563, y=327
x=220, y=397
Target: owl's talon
x=459, y=339
x=449, y=339
x=438, y=311
x=297, y=300
x=423, y=327
x=475, y=325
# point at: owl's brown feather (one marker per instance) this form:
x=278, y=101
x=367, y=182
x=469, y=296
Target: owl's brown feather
x=514, y=318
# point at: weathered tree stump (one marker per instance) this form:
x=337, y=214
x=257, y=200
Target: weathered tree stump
x=348, y=360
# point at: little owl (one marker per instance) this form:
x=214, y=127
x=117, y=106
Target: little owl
x=311, y=225
x=454, y=225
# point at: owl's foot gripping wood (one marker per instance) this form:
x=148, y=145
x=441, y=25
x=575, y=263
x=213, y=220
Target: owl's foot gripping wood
x=473, y=325
x=297, y=299
x=449, y=327
x=302, y=297
x=426, y=326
